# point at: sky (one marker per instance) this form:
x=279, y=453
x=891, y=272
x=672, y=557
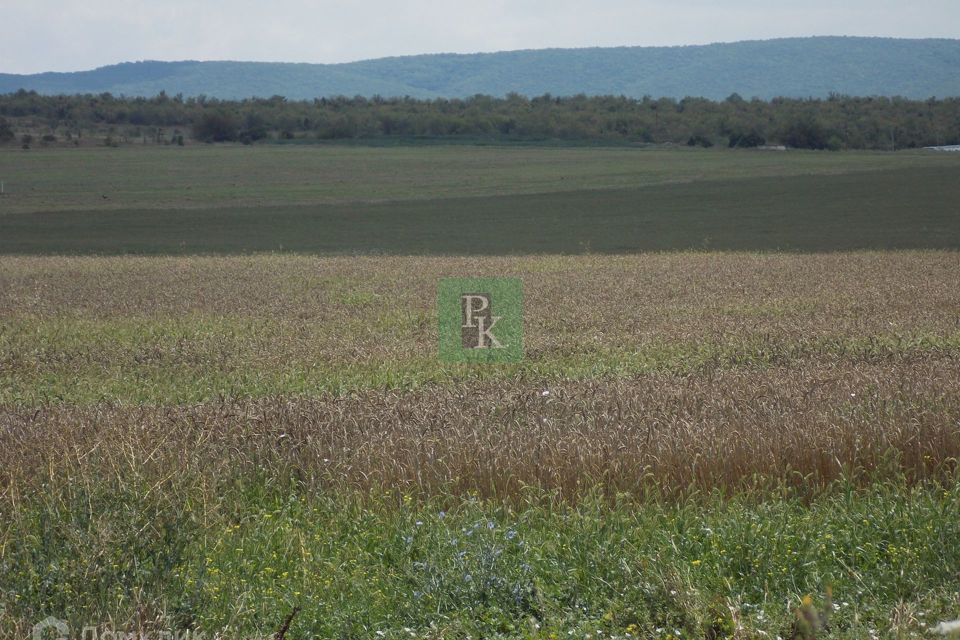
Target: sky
x=71, y=35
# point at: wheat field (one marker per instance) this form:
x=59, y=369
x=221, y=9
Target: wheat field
x=693, y=443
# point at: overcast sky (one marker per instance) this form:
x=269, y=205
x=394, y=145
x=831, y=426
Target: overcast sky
x=68, y=35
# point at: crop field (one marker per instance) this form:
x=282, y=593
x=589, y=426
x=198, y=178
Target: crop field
x=738, y=414
x=472, y=200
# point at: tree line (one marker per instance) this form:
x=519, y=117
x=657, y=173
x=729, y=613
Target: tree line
x=837, y=122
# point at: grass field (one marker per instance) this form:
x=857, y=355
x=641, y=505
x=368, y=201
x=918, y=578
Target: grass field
x=698, y=444
x=472, y=200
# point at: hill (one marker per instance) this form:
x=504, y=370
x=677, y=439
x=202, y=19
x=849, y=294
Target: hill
x=789, y=67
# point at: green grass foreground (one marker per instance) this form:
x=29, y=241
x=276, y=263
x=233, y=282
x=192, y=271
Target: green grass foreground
x=392, y=566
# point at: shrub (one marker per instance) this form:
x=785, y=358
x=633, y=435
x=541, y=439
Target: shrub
x=746, y=139
x=699, y=141
x=254, y=128
x=806, y=133
x=6, y=131
x=216, y=126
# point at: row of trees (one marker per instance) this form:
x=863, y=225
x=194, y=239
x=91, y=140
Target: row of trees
x=833, y=123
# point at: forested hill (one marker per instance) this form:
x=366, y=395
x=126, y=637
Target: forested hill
x=791, y=67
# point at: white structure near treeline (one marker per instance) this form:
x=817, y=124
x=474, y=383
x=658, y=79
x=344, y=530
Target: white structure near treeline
x=949, y=147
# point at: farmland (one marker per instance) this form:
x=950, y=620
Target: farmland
x=471, y=200
x=738, y=414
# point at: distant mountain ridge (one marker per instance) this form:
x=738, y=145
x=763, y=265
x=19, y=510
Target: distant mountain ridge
x=788, y=67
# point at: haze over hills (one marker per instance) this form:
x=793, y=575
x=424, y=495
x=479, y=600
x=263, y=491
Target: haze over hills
x=790, y=67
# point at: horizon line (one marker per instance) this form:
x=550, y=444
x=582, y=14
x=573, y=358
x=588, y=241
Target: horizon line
x=478, y=53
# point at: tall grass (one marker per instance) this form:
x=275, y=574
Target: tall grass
x=802, y=426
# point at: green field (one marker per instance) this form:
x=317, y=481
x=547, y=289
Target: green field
x=737, y=416
x=472, y=200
